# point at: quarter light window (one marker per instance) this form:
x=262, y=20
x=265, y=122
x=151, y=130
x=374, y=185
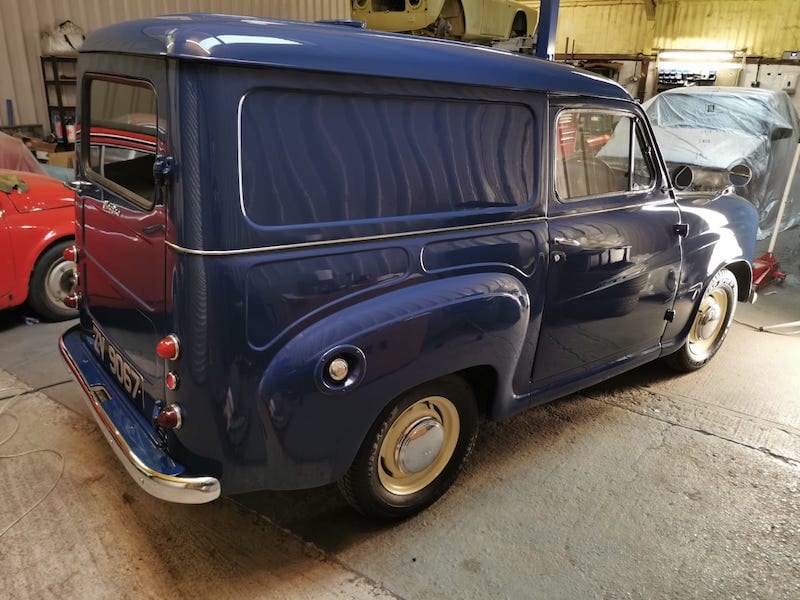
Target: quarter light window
x=123, y=138
x=599, y=153
x=318, y=158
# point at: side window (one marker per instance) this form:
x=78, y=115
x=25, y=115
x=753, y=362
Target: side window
x=323, y=158
x=122, y=138
x=599, y=152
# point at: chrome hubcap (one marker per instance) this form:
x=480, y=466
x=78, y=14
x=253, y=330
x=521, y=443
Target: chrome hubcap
x=707, y=326
x=709, y=323
x=420, y=445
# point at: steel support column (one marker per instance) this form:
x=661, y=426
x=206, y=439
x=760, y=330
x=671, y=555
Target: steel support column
x=546, y=34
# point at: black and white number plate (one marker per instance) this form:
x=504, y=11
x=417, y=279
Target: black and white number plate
x=125, y=374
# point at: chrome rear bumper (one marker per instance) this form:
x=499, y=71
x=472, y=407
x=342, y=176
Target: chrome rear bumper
x=125, y=431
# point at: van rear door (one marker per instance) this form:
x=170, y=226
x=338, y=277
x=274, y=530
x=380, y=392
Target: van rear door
x=123, y=222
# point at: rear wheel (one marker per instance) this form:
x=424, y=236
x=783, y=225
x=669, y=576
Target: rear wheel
x=710, y=325
x=414, y=452
x=52, y=279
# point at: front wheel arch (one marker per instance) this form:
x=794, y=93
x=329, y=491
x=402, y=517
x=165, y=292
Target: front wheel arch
x=744, y=278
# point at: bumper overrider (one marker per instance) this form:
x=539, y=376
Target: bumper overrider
x=127, y=431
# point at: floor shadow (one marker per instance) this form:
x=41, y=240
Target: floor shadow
x=323, y=517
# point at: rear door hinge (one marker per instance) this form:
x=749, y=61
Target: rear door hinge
x=681, y=229
x=669, y=315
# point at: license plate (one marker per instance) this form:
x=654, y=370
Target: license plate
x=125, y=374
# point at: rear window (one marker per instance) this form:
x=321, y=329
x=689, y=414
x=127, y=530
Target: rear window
x=122, y=138
x=329, y=158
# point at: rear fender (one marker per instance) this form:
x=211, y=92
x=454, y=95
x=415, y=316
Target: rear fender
x=392, y=343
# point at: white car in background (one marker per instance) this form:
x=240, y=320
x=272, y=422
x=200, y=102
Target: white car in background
x=712, y=129
x=469, y=20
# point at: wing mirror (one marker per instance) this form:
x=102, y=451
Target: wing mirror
x=740, y=175
x=682, y=177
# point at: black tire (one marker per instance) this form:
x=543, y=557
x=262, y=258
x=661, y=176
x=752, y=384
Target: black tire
x=386, y=484
x=52, y=279
x=710, y=325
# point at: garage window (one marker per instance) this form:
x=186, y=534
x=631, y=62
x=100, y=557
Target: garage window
x=319, y=158
x=599, y=153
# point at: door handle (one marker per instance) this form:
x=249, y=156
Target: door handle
x=561, y=241
x=77, y=185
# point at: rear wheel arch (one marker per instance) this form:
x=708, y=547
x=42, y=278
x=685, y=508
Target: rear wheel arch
x=483, y=380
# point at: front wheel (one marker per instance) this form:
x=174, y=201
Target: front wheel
x=710, y=325
x=51, y=281
x=414, y=452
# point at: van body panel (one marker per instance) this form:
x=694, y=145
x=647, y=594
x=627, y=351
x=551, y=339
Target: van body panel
x=276, y=195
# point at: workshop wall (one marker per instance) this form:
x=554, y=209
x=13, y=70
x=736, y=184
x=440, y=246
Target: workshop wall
x=764, y=27
x=23, y=21
x=601, y=27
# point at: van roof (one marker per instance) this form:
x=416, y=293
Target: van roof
x=339, y=48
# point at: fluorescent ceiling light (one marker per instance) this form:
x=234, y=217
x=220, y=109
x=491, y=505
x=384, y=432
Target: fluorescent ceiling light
x=696, y=55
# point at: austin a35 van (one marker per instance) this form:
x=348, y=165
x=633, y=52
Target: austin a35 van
x=311, y=253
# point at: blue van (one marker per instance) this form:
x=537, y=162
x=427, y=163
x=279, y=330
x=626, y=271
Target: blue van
x=311, y=253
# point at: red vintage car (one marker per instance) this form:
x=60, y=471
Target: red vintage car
x=37, y=222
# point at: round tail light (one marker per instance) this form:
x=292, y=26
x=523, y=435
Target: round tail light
x=172, y=381
x=72, y=300
x=70, y=253
x=170, y=417
x=169, y=348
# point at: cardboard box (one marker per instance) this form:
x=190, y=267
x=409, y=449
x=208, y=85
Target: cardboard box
x=61, y=159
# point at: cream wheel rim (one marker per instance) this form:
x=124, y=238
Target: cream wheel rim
x=418, y=445
x=709, y=322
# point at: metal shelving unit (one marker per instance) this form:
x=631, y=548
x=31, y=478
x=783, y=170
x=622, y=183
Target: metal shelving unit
x=59, y=74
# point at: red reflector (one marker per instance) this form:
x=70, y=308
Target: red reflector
x=172, y=381
x=70, y=253
x=170, y=417
x=169, y=348
x=72, y=300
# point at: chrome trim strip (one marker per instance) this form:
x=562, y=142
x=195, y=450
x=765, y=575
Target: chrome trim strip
x=405, y=234
x=666, y=201
x=186, y=490
x=368, y=238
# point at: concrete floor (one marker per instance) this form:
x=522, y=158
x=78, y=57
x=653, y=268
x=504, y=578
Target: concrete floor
x=650, y=485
